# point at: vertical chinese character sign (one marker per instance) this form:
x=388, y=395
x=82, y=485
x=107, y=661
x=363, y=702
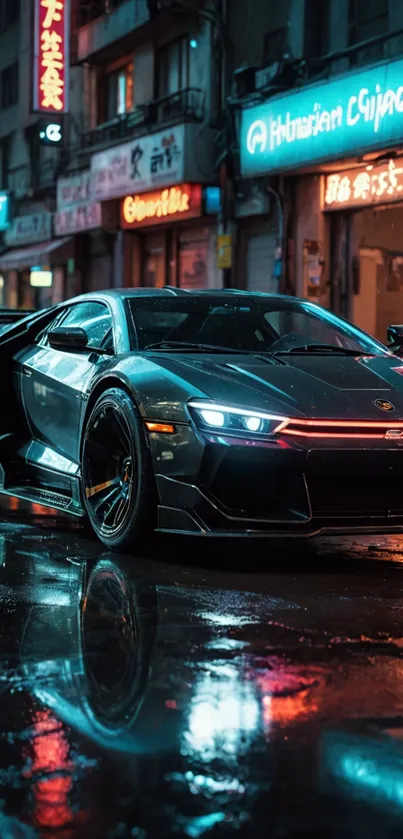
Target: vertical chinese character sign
x=51, y=56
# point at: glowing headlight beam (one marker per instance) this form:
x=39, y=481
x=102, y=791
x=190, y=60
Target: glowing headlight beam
x=205, y=407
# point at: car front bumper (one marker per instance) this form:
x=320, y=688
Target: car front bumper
x=217, y=485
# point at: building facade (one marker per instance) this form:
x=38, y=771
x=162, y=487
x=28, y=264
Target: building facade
x=322, y=127
x=213, y=143
x=131, y=196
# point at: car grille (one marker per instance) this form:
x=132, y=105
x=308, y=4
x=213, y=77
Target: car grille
x=355, y=483
x=344, y=429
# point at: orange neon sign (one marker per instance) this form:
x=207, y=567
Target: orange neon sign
x=171, y=204
x=51, y=56
x=380, y=183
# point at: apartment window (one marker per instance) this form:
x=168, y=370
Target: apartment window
x=9, y=13
x=172, y=67
x=119, y=92
x=9, y=86
x=367, y=19
x=316, y=29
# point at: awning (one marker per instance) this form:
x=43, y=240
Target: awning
x=54, y=252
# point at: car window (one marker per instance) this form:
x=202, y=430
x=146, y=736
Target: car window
x=42, y=337
x=95, y=318
x=308, y=328
x=252, y=324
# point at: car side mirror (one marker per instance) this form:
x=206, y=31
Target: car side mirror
x=68, y=338
x=395, y=335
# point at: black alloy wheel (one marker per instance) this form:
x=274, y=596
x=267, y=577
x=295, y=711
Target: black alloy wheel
x=117, y=477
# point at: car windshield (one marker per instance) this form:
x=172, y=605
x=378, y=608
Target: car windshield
x=244, y=324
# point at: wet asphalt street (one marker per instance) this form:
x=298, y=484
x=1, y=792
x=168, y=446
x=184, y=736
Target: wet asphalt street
x=202, y=691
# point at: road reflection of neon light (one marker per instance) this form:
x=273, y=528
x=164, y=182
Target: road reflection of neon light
x=51, y=772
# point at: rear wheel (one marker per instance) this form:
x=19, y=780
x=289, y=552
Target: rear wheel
x=117, y=477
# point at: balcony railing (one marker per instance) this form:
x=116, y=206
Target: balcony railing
x=115, y=131
x=184, y=106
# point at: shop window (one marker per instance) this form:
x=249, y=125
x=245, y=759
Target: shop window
x=316, y=28
x=193, y=262
x=9, y=86
x=367, y=19
x=31, y=297
x=172, y=67
x=119, y=92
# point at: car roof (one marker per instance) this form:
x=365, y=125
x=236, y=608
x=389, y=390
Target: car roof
x=169, y=291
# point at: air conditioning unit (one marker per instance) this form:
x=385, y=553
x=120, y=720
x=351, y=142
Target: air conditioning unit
x=244, y=81
x=264, y=77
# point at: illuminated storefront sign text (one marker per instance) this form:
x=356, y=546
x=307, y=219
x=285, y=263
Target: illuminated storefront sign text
x=358, y=112
x=51, y=56
x=381, y=183
x=174, y=203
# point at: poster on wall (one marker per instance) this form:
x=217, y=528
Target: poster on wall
x=313, y=268
x=193, y=263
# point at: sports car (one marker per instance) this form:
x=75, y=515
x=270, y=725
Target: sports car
x=219, y=413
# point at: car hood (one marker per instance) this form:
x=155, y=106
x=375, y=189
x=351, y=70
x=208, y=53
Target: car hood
x=300, y=385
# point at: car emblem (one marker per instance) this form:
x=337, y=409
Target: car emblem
x=384, y=405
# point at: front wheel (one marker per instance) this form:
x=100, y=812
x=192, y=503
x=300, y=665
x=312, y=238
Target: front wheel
x=117, y=477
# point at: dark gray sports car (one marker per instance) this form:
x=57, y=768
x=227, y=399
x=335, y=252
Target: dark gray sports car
x=210, y=413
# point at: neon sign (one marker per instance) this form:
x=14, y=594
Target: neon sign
x=51, y=56
x=174, y=203
x=316, y=123
x=4, y=210
x=381, y=183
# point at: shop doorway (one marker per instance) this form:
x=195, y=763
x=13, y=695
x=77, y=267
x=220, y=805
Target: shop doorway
x=260, y=260
x=364, y=301
x=154, y=261
x=377, y=298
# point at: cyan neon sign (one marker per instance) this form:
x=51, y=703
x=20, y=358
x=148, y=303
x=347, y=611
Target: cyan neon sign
x=344, y=117
x=4, y=210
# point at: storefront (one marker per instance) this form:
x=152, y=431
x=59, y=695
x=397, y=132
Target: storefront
x=364, y=207
x=168, y=227
x=170, y=239
x=34, y=268
x=338, y=146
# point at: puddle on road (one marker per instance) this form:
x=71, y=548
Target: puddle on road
x=136, y=708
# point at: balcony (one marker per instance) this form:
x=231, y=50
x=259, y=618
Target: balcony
x=184, y=106
x=101, y=25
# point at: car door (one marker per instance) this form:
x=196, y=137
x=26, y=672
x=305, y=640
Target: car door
x=53, y=381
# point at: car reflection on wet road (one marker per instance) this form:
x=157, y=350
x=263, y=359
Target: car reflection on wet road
x=199, y=692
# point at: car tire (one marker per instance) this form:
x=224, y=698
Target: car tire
x=118, y=483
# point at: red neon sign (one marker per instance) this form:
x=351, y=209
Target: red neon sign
x=51, y=56
x=172, y=204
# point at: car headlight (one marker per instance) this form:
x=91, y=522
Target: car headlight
x=225, y=418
